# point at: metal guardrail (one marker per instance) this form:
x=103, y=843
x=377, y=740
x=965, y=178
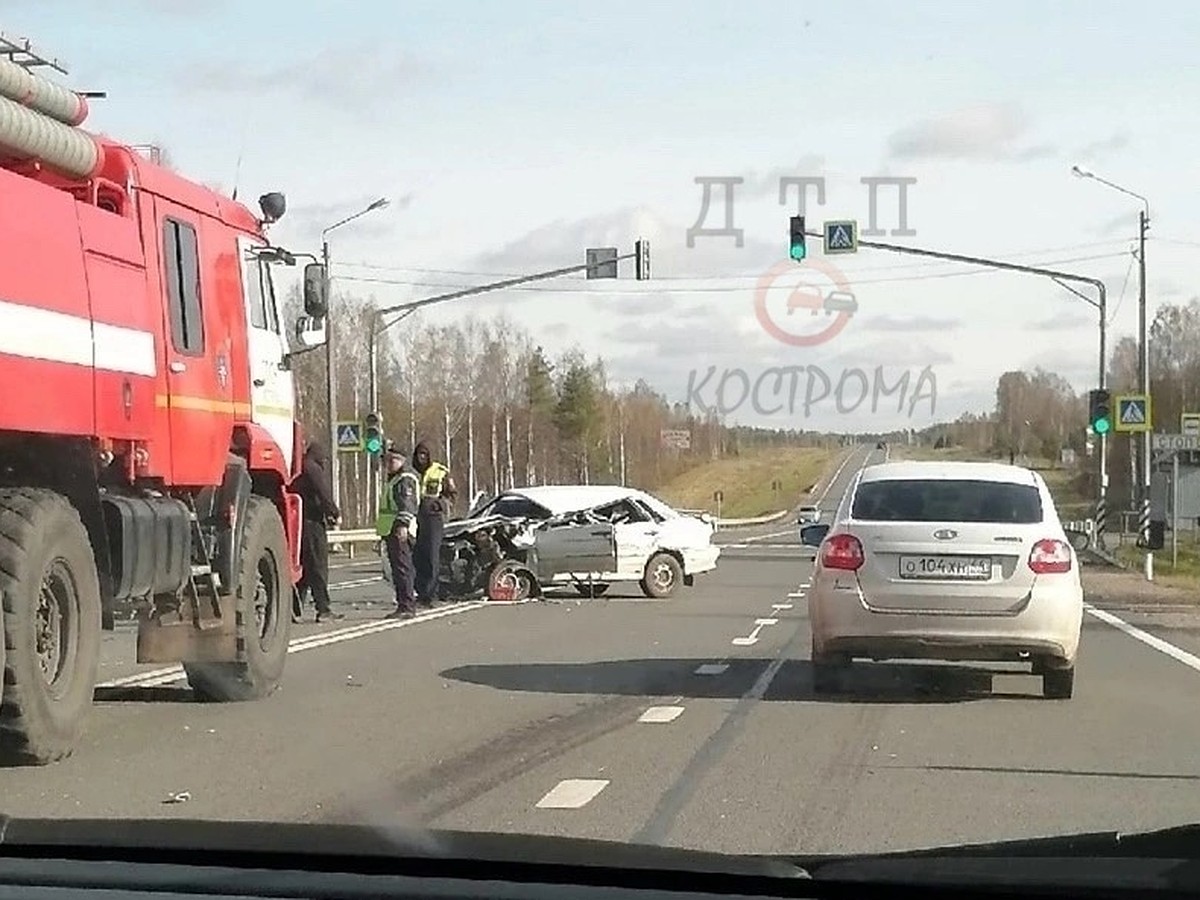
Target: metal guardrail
x=349, y=538
x=756, y=520
x=352, y=536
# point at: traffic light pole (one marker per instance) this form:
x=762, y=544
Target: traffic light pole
x=1101, y=305
x=1144, y=365
x=378, y=326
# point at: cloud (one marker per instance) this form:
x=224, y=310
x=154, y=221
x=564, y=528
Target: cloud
x=893, y=353
x=987, y=132
x=310, y=219
x=910, y=323
x=1097, y=150
x=1076, y=368
x=636, y=306
x=376, y=77
x=767, y=184
x=1124, y=225
x=1063, y=320
x=564, y=241
x=711, y=341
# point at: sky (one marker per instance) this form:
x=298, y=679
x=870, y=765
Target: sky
x=511, y=136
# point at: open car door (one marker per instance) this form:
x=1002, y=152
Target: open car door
x=576, y=549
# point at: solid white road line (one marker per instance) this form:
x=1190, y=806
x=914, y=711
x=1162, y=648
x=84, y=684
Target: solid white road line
x=836, y=473
x=712, y=669
x=1188, y=659
x=171, y=674
x=357, y=582
x=773, y=534
x=573, y=793
x=661, y=714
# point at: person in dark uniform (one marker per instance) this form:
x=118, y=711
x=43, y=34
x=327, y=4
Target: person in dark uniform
x=320, y=511
x=397, y=525
x=437, y=496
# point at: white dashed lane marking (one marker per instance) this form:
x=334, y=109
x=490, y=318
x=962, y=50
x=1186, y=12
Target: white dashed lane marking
x=661, y=714
x=572, y=793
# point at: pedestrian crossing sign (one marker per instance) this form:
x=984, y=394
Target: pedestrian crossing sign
x=1133, y=413
x=841, y=237
x=349, y=436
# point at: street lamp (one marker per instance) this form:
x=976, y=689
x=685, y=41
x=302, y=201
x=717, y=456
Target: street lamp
x=330, y=377
x=1143, y=354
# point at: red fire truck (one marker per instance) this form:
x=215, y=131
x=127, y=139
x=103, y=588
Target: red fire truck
x=148, y=437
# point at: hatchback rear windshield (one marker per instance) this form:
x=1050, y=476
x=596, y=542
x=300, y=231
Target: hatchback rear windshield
x=945, y=500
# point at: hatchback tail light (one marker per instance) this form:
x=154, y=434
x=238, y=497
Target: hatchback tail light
x=842, y=551
x=1050, y=557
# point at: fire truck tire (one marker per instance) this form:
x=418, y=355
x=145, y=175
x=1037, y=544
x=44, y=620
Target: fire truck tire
x=51, y=624
x=264, y=615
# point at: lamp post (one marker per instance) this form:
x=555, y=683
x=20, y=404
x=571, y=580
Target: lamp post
x=330, y=375
x=1143, y=358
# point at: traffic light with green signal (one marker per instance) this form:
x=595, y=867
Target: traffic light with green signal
x=1100, y=411
x=797, y=247
x=373, y=433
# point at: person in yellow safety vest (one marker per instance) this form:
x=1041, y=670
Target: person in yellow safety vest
x=437, y=497
x=397, y=525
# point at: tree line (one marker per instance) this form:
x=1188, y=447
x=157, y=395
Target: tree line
x=503, y=411
x=1038, y=414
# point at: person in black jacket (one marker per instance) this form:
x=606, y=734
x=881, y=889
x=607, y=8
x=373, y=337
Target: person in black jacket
x=320, y=511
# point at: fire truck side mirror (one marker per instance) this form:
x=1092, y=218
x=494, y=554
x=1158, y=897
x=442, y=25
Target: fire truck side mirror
x=316, y=304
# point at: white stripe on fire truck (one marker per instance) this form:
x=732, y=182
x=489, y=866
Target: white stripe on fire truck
x=35, y=333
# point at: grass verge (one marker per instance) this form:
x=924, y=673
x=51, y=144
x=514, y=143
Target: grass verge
x=746, y=482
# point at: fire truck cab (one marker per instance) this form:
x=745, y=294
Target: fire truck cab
x=148, y=436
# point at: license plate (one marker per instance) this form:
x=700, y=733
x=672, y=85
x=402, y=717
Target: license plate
x=954, y=568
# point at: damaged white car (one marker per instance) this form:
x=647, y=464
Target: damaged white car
x=586, y=537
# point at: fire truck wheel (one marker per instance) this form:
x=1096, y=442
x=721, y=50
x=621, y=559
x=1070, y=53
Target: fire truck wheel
x=264, y=614
x=51, y=612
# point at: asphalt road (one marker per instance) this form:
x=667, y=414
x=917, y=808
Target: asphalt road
x=689, y=722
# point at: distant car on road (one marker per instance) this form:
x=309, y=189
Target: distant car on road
x=808, y=515
x=946, y=561
x=589, y=536
x=882, y=445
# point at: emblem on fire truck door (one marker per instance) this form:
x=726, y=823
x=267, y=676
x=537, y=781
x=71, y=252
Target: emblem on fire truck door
x=222, y=369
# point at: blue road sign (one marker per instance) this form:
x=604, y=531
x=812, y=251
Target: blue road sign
x=841, y=237
x=1133, y=413
x=349, y=436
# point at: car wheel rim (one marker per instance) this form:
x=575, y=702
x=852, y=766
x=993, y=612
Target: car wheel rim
x=664, y=578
